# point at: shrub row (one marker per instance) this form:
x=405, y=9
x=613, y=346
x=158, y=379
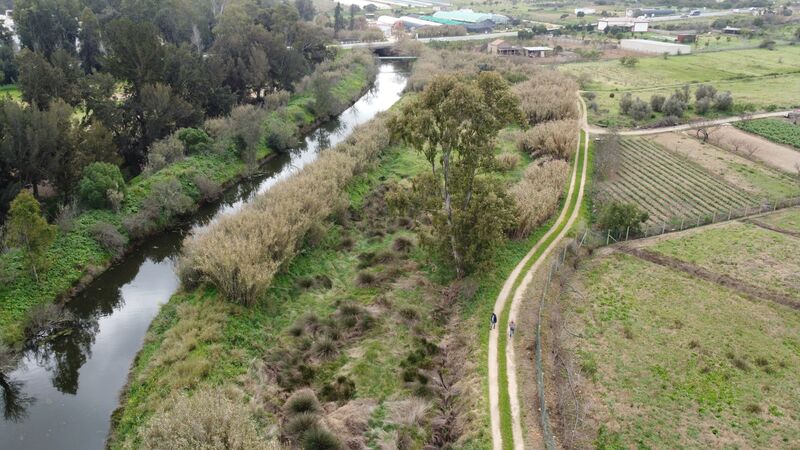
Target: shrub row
x=536, y=194
x=241, y=253
x=555, y=138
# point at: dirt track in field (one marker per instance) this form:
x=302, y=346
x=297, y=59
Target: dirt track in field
x=774, y=155
x=707, y=275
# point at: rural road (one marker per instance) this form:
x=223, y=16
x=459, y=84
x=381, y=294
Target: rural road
x=389, y=43
x=577, y=185
x=688, y=126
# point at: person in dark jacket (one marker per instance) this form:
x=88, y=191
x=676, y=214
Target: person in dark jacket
x=493, y=321
x=512, y=327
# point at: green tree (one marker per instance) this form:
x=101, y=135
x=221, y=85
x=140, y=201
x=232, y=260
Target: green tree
x=47, y=25
x=352, y=23
x=89, y=37
x=135, y=53
x=306, y=9
x=338, y=18
x=621, y=218
x=39, y=81
x=454, y=123
x=100, y=183
x=29, y=231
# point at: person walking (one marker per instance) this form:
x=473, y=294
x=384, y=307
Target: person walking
x=493, y=321
x=511, y=328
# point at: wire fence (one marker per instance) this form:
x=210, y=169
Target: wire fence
x=594, y=239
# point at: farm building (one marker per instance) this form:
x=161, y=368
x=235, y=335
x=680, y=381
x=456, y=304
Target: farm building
x=629, y=24
x=656, y=47
x=439, y=20
x=586, y=11
x=503, y=48
x=414, y=22
x=470, y=16
x=686, y=38
x=479, y=27
x=732, y=30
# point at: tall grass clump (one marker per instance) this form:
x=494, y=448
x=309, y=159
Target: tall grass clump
x=536, y=194
x=241, y=253
x=548, y=96
x=556, y=138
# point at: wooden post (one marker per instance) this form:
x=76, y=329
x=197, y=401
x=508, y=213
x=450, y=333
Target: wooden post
x=663, y=227
x=682, y=219
x=608, y=236
x=627, y=231
x=714, y=217
x=730, y=211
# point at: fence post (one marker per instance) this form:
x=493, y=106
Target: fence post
x=608, y=237
x=714, y=217
x=663, y=227
x=746, y=208
x=730, y=211
x=698, y=221
x=627, y=231
x=682, y=220
x=775, y=208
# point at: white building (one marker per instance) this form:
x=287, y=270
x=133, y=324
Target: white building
x=655, y=47
x=628, y=23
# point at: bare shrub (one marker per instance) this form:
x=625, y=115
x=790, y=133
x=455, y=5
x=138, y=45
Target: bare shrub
x=44, y=318
x=402, y=244
x=206, y=420
x=558, y=138
x=108, y=237
x=163, y=153
x=506, y=161
x=66, y=216
x=275, y=100
x=548, y=96
x=302, y=401
x=209, y=189
x=536, y=194
x=241, y=253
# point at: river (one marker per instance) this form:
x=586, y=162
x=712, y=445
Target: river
x=63, y=392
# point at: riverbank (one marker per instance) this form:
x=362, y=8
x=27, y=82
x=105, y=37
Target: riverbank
x=76, y=258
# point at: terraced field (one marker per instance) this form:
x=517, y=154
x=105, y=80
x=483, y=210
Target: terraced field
x=668, y=187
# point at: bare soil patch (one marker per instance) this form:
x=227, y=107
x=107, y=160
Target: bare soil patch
x=775, y=155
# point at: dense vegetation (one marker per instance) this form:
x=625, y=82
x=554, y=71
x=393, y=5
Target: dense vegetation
x=357, y=329
x=775, y=130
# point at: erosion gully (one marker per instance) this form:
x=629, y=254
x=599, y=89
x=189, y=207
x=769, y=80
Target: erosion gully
x=64, y=390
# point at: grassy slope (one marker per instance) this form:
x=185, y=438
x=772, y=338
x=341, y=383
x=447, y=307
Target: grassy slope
x=372, y=362
x=788, y=219
x=758, y=77
x=678, y=362
x=75, y=254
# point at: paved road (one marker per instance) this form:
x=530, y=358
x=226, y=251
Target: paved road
x=702, y=15
x=469, y=37
x=599, y=130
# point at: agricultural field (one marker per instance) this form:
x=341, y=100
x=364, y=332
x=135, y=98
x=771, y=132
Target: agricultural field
x=757, y=79
x=668, y=186
x=667, y=360
x=776, y=130
x=753, y=177
x=788, y=219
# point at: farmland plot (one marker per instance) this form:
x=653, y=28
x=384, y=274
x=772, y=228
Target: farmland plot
x=668, y=187
x=775, y=130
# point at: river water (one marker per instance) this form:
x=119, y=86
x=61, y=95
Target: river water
x=63, y=392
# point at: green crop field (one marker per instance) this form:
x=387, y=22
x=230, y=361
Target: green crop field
x=756, y=78
x=776, y=130
x=671, y=361
x=667, y=186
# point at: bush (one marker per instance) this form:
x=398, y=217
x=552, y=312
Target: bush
x=724, y=101
x=302, y=401
x=276, y=100
x=506, y=161
x=674, y=105
x=657, y=102
x=558, y=138
x=536, y=194
x=621, y=218
x=625, y=103
x=167, y=199
x=195, y=140
x=548, y=96
x=108, y=237
x=703, y=105
x=281, y=133
x=209, y=189
x=299, y=424
x=705, y=91
x=207, y=420
x=640, y=110
x=100, y=179
x=320, y=439
x=163, y=153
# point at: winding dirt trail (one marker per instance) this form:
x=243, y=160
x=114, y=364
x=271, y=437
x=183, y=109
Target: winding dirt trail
x=569, y=213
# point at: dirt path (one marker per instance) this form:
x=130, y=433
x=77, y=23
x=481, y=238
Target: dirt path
x=576, y=188
x=769, y=226
x=770, y=153
x=599, y=130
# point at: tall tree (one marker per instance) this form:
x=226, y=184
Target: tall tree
x=454, y=123
x=29, y=231
x=338, y=18
x=306, y=9
x=47, y=25
x=352, y=23
x=89, y=37
x=135, y=53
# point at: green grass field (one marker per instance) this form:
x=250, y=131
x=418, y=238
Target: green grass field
x=757, y=79
x=788, y=219
x=775, y=130
x=670, y=361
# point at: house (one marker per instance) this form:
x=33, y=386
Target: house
x=536, y=52
x=732, y=30
x=501, y=47
x=686, y=38
x=654, y=47
x=626, y=23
